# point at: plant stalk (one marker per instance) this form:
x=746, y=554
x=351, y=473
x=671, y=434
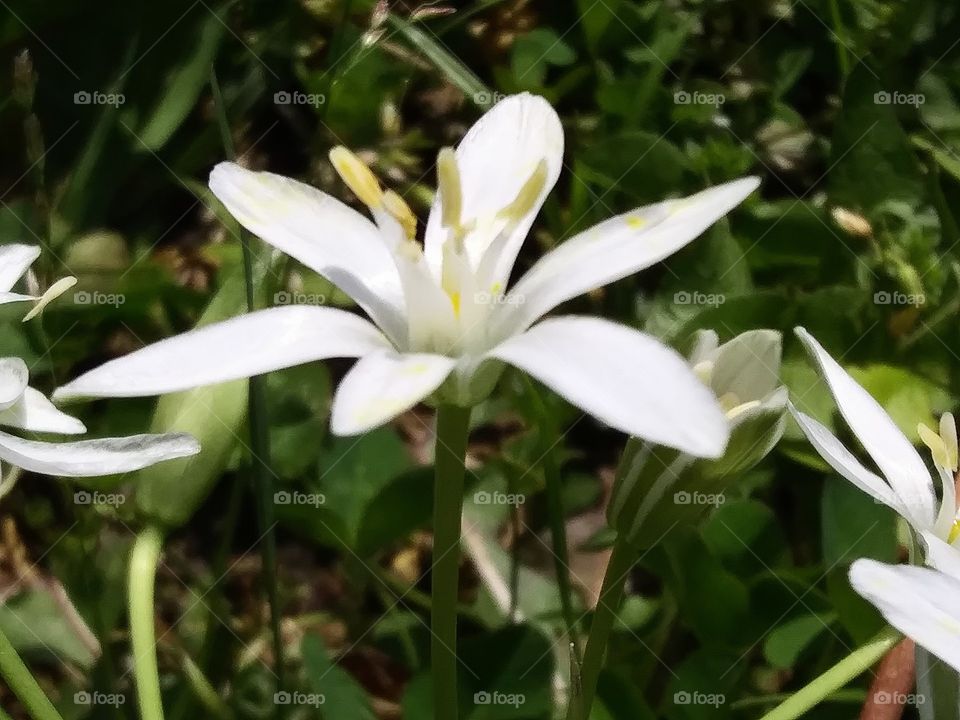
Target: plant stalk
x=450, y=454
x=835, y=678
x=144, y=559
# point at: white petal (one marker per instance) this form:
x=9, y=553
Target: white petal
x=383, y=385
x=897, y=459
x=52, y=293
x=919, y=602
x=843, y=461
x=319, y=231
x=627, y=379
x=616, y=248
x=15, y=260
x=12, y=297
x=496, y=157
x=35, y=413
x=13, y=380
x=241, y=347
x=89, y=458
x=941, y=556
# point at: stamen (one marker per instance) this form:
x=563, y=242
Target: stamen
x=954, y=532
x=528, y=196
x=398, y=208
x=938, y=447
x=357, y=176
x=451, y=192
x=704, y=371
x=52, y=293
x=948, y=433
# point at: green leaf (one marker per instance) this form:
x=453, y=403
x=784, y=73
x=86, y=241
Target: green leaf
x=534, y=52
x=342, y=695
x=784, y=644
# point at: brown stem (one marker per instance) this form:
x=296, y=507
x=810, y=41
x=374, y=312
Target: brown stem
x=893, y=680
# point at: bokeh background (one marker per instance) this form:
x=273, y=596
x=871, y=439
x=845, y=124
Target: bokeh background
x=109, y=125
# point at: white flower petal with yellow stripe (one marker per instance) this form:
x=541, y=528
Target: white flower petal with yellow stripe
x=443, y=322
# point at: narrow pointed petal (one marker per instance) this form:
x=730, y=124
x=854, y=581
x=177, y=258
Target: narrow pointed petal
x=15, y=260
x=616, y=248
x=896, y=457
x=12, y=297
x=627, y=379
x=13, y=380
x=35, y=413
x=241, y=347
x=919, y=602
x=941, y=556
x=91, y=458
x=496, y=158
x=319, y=231
x=843, y=461
x=383, y=385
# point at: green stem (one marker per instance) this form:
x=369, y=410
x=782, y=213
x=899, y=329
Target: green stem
x=452, y=427
x=604, y=617
x=259, y=433
x=835, y=678
x=558, y=527
x=23, y=685
x=144, y=559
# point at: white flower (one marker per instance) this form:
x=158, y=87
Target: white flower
x=907, y=487
x=23, y=408
x=444, y=323
x=923, y=603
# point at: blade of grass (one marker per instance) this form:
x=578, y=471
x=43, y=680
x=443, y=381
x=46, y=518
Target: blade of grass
x=259, y=434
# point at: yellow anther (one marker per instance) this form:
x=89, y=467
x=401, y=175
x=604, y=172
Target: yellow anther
x=728, y=401
x=455, y=301
x=938, y=447
x=635, y=222
x=704, y=371
x=52, y=293
x=948, y=433
x=451, y=191
x=954, y=532
x=357, y=176
x=398, y=208
x=528, y=196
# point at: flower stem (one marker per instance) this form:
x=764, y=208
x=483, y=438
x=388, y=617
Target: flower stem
x=144, y=559
x=611, y=595
x=18, y=677
x=835, y=678
x=451, y=448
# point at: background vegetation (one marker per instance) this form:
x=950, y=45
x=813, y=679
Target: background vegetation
x=848, y=110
